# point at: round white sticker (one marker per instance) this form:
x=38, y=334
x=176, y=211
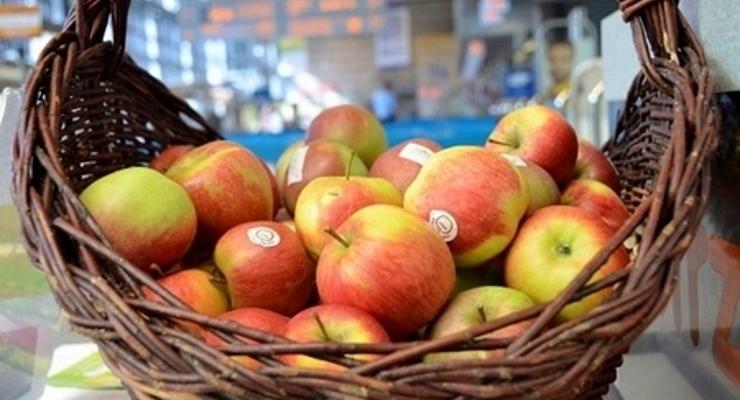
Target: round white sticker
x=444, y=223
x=263, y=236
x=295, y=168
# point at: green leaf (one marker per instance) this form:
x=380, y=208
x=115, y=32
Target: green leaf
x=88, y=373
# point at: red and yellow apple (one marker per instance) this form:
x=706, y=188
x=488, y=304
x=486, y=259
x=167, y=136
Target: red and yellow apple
x=552, y=247
x=540, y=135
x=474, y=198
x=165, y=159
x=316, y=159
x=543, y=191
x=200, y=289
x=598, y=199
x=353, y=126
x=148, y=218
x=593, y=164
x=389, y=263
x=332, y=323
x=474, y=307
x=255, y=318
x=400, y=164
x=227, y=184
x=327, y=202
x=281, y=168
x=265, y=266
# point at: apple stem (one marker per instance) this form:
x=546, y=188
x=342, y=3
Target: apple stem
x=321, y=326
x=494, y=141
x=337, y=237
x=349, y=166
x=482, y=313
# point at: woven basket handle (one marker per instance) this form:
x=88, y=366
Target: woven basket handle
x=655, y=32
x=88, y=20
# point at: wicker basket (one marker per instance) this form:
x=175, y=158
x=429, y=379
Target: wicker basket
x=90, y=110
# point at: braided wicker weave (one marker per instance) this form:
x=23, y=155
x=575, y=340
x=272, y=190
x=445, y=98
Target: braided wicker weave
x=89, y=110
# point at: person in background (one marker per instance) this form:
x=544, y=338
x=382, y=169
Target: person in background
x=384, y=103
x=560, y=57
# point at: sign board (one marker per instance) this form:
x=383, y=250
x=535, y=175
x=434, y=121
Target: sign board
x=19, y=21
x=393, y=39
x=493, y=12
x=274, y=19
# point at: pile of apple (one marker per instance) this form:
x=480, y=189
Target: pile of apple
x=384, y=244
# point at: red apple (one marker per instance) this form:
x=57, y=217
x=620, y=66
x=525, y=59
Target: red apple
x=353, y=126
x=400, y=164
x=593, y=164
x=539, y=135
x=265, y=266
x=168, y=157
x=327, y=202
x=598, y=199
x=474, y=307
x=255, y=318
x=277, y=203
x=389, y=263
x=318, y=158
x=148, y=218
x=474, y=198
x=552, y=247
x=332, y=323
x=227, y=184
x=198, y=288
x=543, y=191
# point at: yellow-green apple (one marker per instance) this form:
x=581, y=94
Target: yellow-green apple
x=281, y=168
x=474, y=307
x=168, y=157
x=539, y=135
x=227, y=184
x=332, y=323
x=400, y=164
x=474, y=198
x=389, y=263
x=255, y=318
x=353, y=126
x=598, y=199
x=593, y=164
x=318, y=158
x=148, y=218
x=327, y=202
x=199, y=288
x=277, y=203
x=266, y=266
x=543, y=191
x=552, y=247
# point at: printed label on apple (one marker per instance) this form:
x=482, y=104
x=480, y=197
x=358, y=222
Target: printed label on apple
x=263, y=236
x=444, y=223
x=416, y=153
x=295, y=168
x=515, y=160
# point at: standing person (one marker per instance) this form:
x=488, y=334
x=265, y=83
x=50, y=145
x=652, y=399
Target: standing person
x=560, y=57
x=384, y=103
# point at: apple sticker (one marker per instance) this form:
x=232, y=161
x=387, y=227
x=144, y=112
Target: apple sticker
x=444, y=223
x=263, y=236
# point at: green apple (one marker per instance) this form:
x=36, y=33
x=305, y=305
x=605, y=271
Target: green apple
x=552, y=247
x=474, y=307
x=148, y=218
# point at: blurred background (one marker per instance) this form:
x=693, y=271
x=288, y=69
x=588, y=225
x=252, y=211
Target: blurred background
x=266, y=67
